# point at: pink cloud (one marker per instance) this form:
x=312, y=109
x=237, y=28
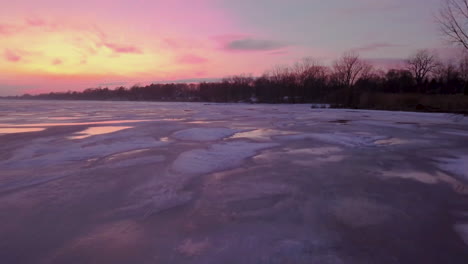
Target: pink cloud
x=6, y=29
x=172, y=43
x=191, y=59
x=35, y=22
x=11, y=56
x=119, y=48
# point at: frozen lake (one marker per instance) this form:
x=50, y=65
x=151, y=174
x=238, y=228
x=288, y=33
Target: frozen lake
x=132, y=182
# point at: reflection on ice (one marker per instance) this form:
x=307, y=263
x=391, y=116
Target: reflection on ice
x=13, y=130
x=93, y=131
x=75, y=124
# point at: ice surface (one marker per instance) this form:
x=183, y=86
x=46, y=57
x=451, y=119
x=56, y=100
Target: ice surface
x=229, y=183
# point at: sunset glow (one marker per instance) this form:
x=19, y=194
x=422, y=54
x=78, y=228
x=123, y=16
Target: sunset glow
x=54, y=45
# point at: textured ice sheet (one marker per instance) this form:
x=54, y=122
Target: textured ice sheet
x=217, y=157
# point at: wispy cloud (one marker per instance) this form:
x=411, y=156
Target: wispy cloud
x=7, y=29
x=36, y=22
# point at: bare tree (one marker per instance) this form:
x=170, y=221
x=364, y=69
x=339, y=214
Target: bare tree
x=349, y=68
x=421, y=64
x=453, y=20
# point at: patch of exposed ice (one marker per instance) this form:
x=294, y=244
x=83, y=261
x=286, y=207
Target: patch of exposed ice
x=43, y=153
x=319, y=160
x=360, y=212
x=456, y=133
x=314, y=151
x=126, y=154
x=414, y=175
x=204, y=134
x=191, y=248
x=218, y=157
x=309, y=157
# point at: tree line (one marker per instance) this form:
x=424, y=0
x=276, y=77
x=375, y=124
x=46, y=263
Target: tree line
x=308, y=81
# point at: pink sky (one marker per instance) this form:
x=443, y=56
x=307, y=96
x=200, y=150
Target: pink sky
x=55, y=45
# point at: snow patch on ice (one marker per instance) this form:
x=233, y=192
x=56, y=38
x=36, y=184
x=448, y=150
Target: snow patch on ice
x=462, y=230
x=204, y=134
x=218, y=157
x=458, y=166
x=262, y=134
x=428, y=178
